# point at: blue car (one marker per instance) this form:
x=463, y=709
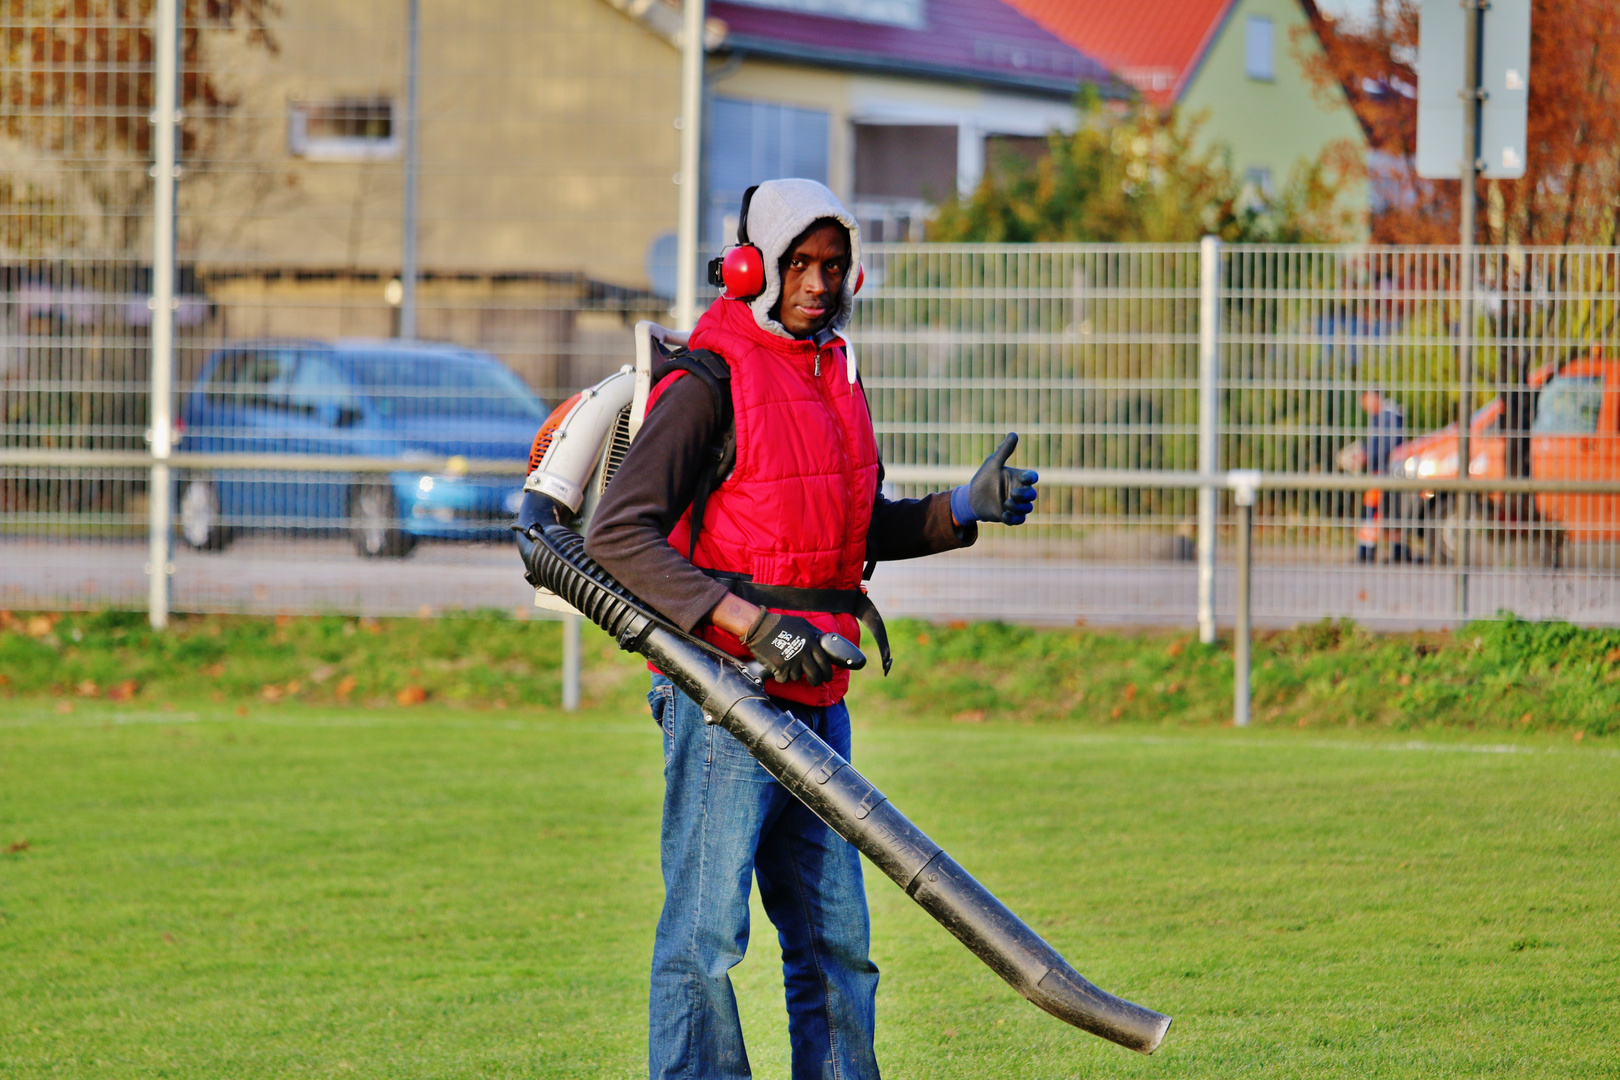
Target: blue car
x=387, y=399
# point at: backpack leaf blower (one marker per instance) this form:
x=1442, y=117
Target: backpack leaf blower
x=583, y=442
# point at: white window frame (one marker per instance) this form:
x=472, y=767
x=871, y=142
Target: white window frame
x=1260, y=49
x=341, y=148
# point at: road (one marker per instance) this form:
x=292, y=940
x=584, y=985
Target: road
x=274, y=575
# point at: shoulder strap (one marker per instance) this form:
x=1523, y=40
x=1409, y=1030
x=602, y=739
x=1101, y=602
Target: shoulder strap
x=713, y=371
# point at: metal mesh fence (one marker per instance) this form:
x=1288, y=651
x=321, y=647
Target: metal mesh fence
x=310, y=188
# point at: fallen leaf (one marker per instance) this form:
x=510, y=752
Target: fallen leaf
x=957, y=624
x=40, y=625
x=1130, y=691
x=87, y=688
x=1405, y=679
x=5, y=680
x=1115, y=712
x=1174, y=649
x=971, y=716
x=271, y=692
x=293, y=687
x=345, y=687
x=283, y=621
x=241, y=710
x=425, y=611
x=950, y=1033
x=371, y=626
x=64, y=707
x=124, y=691
x=215, y=670
x=168, y=937
x=1612, y=656
x=411, y=695
x=1579, y=735
x=322, y=673
x=1525, y=719
x=1303, y=721
x=924, y=639
x=13, y=848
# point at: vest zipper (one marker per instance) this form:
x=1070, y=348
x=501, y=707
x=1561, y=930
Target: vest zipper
x=818, y=363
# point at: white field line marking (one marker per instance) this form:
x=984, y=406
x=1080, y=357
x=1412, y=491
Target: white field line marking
x=1283, y=743
x=368, y=718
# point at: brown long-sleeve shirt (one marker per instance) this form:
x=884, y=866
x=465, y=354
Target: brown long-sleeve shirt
x=629, y=534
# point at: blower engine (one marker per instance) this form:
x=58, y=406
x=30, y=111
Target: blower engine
x=576, y=454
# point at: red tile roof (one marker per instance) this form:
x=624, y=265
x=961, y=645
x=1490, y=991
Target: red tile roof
x=1155, y=45
x=978, y=41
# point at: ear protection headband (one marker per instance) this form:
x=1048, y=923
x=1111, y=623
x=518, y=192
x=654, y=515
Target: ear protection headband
x=741, y=270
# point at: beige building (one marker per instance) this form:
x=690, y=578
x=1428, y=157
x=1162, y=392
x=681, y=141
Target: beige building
x=549, y=152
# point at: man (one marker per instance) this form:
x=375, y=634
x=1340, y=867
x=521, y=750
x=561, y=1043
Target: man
x=1386, y=429
x=800, y=509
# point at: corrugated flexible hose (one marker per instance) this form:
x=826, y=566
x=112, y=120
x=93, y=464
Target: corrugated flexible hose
x=554, y=558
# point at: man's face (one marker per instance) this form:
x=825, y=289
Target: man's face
x=1372, y=403
x=812, y=278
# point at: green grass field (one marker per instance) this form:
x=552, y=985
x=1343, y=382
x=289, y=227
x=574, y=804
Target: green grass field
x=241, y=888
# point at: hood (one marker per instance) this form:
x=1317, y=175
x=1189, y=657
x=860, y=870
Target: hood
x=488, y=439
x=779, y=211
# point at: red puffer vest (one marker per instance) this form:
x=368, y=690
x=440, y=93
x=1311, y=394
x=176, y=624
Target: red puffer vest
x=796, y=509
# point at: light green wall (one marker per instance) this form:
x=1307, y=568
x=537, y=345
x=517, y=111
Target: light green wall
x=1267, y=124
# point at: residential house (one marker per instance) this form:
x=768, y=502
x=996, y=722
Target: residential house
x=547, y=133
x=1235, y=63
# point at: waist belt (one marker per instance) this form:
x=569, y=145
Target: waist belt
x=831, y=601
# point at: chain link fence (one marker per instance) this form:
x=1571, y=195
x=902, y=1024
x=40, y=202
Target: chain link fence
x=1136, y=376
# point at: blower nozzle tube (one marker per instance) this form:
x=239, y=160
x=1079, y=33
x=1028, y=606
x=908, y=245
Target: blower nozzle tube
x=819, y=777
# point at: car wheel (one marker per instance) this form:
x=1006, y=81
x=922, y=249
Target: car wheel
x=1547, y=546
x=1449, y=535
x=200, y=524
x=374, y=523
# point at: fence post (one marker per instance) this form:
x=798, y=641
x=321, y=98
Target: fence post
x=1244, y=483
x=165, y=118
x=689, y=215
x=1209, y=406
x=413, y=168
x=570, y=672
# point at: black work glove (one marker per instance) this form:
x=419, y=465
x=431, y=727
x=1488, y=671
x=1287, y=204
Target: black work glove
x=790, y=648
x=996, y=492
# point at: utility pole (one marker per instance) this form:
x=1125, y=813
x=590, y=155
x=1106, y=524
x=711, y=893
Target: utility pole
x=1473, y=98
x=413, y=163
x=165, y=171
x=693, y=56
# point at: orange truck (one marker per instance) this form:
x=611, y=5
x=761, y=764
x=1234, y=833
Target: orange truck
x=1575, y=436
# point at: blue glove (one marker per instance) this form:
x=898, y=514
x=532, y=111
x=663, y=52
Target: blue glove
x=996, y=492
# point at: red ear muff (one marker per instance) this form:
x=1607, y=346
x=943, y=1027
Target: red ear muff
x=742, y=272
x=860, y=279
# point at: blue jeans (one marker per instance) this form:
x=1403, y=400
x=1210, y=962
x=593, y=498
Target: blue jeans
x=726, y=820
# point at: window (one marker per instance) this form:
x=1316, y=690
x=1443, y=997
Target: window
x=1004, y=154
x=1257, y=59
x=319, y=389
x=749, y=142
x=905, y=161
x=1570, y=406
x=256, y=378
x=405, y=385
x=1258, y=181
x=345, y=129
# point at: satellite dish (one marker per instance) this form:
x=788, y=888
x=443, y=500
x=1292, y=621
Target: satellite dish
x=661, y=261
